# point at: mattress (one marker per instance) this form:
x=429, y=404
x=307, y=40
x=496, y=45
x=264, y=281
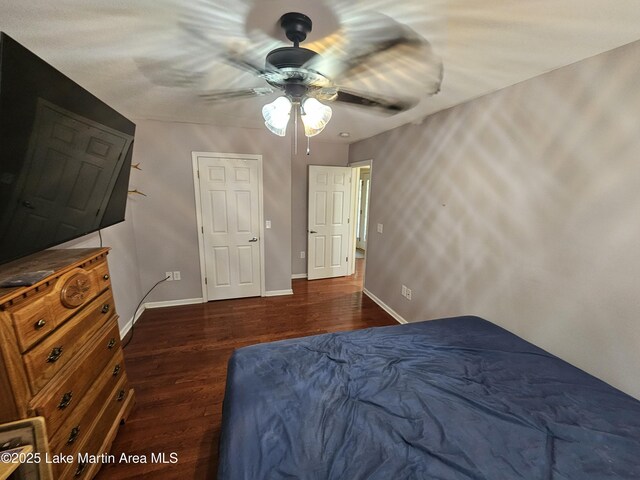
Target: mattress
x=457, y=398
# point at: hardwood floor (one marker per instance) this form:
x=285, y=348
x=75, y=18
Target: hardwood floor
x=177, y=363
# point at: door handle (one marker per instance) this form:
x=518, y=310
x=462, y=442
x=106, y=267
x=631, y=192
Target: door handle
x=254, y=239
x=312, y=231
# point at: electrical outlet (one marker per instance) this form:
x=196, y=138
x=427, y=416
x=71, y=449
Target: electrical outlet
x=404, y=290
x=268, y=224
x=176, y=275
x=302, y=254
x=379, y=228
x=408, y=294
x=168, y=276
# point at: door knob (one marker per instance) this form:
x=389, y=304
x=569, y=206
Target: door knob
x=312, y=231
x=254, y=239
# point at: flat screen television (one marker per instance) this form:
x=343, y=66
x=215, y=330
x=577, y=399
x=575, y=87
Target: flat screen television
x=65, y=156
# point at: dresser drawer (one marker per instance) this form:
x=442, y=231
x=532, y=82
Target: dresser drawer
x=73, y=290
x=62, y=395
x=32, y=322
x=101, y=275
x=80, y=423
x=55, y=351
x=100, y=438
x=35, y=317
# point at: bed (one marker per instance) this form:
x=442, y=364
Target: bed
x=457, y=398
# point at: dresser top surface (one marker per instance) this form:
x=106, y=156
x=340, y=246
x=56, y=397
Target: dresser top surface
x=60, y=261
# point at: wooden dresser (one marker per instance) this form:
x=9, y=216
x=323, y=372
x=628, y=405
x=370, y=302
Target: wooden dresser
x=61, y=356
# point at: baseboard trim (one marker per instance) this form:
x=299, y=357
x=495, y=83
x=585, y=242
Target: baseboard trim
x=169, y=303
x=173, y=303
x=297, y=276
x=277, y=293
x=127, y=326
x=398, y=318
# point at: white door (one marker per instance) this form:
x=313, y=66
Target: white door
x=328, y=220
x=363, y=209
x=229, y=202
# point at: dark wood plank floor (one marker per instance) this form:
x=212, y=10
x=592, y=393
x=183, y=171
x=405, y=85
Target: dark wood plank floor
x=177, y=363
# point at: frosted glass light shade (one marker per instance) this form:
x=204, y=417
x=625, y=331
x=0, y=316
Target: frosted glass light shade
x=276, y=115
x=315, y=116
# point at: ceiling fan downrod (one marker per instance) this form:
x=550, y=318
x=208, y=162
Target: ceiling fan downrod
x=296, y=27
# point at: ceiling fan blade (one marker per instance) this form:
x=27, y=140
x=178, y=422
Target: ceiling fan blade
x=243, y=64
x=165, y=73
x=390, y=106
x=376, y=51
x=358, y=60
x=224, y=95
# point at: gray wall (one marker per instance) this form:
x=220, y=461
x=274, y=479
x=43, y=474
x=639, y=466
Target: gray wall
x=123, y=263
x=521, y=207
x=165, y=220
x=320, y=154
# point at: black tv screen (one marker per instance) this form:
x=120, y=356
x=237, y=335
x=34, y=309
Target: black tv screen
x=65, y=156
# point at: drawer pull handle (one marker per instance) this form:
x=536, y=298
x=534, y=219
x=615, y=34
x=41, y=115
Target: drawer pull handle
x=112, y=343
x=65, y=400
x=75, y=431
x=105, y=308
x=105, y=276
x=120, y=395
x=116, y=370
x=55, y=354
x=80, y=469
x=39, y=324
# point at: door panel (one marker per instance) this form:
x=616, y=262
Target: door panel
x=328, y=218
x=231, y=226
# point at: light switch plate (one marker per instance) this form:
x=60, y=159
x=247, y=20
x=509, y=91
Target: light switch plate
x=379, y=228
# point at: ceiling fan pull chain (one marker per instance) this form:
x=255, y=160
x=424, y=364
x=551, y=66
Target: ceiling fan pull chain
x=308, y=149
x=295, y=130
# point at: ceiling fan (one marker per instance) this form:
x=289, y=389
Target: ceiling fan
x=306, y=78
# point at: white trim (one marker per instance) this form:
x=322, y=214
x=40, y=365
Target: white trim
x=398, y=318
x=277, y=293
x=362, y=163
x=295, y=276
x=196, y=183
x=124, y=331
x=354, y=214
x=168, y=303
x=173, y=303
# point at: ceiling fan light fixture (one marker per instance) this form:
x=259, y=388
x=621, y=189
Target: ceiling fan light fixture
x=276, y=115
x=315, y=116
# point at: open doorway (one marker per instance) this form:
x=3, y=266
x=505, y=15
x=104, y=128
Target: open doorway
x=361, y=195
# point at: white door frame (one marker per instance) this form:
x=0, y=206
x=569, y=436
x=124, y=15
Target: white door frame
x=196, y=183
x=362, y=193
x=354, y=196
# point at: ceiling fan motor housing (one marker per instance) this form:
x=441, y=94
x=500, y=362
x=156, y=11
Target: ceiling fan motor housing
x=289, y=57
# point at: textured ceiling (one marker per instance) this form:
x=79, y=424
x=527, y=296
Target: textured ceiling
x=151, y=59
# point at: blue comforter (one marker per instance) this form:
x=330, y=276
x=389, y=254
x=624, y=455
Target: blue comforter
x=446, y=399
